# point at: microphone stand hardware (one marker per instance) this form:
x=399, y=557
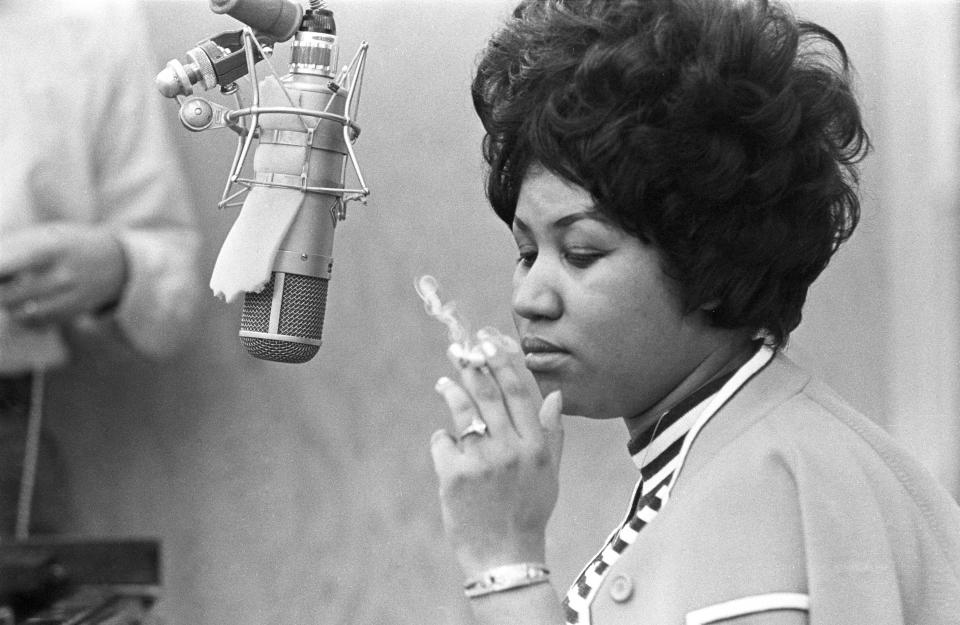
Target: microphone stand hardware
x=198, y=114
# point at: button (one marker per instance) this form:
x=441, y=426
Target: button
x=621, y=588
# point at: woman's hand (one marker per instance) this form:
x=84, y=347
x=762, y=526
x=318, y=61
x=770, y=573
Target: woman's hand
x=498, y=488
x=52, y=272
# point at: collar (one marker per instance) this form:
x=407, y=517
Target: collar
x=654, y=447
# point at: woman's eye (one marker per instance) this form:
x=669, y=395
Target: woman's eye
x=527, y=258
x=582, y=259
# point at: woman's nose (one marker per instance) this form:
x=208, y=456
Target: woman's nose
x=536, y=294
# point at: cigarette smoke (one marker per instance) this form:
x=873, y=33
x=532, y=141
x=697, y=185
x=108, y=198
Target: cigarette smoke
x=429, y=291
x=457, y=329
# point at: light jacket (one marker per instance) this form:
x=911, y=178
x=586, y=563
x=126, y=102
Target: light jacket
x=86, y=141
x=792, y=507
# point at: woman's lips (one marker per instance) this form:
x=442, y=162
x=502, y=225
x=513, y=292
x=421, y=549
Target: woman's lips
x=542, y=355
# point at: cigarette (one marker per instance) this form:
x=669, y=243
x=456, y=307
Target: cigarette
x=471, y=357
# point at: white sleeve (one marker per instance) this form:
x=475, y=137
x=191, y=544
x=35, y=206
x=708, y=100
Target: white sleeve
x=144, y=195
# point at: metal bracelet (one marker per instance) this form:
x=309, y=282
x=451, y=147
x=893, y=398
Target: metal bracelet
x=506, y=577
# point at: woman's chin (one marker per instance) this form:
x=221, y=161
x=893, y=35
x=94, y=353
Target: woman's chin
x=571, y=400
x=547, y=384
x=575, y=401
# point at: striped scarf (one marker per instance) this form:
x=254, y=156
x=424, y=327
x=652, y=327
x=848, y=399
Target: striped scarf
x=656, y=452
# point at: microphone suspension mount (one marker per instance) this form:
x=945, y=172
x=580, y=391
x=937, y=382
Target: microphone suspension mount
x=223, y=59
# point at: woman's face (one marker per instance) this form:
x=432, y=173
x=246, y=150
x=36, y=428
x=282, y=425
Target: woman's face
x=596, y=315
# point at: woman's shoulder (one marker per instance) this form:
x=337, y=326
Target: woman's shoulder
x=790, y=489
x=787, y=412
x=789, y=436
x=791, y=414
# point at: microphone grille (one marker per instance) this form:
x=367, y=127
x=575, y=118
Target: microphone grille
x=302, y=308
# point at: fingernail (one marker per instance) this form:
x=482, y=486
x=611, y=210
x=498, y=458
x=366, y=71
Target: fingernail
x=557, y=398
x=456, y=355
x=489, y=349
x=441, y=383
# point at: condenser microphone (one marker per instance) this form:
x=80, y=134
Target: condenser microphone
x=279, y=252
x=284, y=321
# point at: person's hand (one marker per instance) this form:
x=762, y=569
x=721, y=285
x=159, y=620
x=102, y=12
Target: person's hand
x=51, y=272
x=498, y=488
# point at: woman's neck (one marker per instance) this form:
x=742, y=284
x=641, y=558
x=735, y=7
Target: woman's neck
x=726, y=358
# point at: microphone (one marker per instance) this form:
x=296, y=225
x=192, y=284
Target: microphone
x=284, y=321
x=276, y=19
x=279, y=253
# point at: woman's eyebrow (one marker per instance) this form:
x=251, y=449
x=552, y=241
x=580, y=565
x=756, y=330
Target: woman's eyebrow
x=572, y=218
x=566, y=220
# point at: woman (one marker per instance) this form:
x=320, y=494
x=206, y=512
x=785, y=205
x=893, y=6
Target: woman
x=676, y=174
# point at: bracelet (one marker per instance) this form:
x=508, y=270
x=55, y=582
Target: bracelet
x=506, y=577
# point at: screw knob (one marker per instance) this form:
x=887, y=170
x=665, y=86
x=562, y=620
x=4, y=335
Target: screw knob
x=196, y=113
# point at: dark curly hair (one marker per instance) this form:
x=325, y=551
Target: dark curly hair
x=723, y=132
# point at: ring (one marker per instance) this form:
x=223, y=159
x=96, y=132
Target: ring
x=30, y=308
x=476, y=426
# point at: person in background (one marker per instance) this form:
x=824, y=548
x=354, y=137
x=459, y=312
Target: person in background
x=97, y=238
x=676, y=174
